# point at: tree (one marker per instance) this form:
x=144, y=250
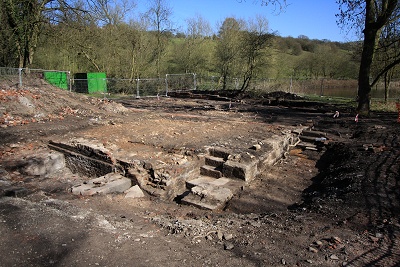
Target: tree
x=387, y=50
x=192, y=54
x=253, y=45
x=24, y=20
x=110, y=12
x=159, y=15
x=228, y=48
x=373, y=15
x=8, y=50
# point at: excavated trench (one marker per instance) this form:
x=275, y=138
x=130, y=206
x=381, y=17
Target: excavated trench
x=206, y=178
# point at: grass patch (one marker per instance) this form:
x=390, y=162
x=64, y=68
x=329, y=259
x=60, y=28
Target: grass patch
x=332, y=100
x=382, y=106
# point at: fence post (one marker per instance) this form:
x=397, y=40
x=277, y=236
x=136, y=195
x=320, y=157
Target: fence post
x=137, y=88
x=194, y=79
x=20, y=77
x=166, y=84
x=69, y=81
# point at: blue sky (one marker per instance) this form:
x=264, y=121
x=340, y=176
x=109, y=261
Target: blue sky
x=312, y=18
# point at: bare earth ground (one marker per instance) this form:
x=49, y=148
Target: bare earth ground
x=338, y=206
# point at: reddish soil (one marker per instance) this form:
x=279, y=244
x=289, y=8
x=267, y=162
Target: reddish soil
x=338, y=206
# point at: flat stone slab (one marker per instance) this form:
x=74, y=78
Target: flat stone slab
x=134, y=192
x=198, y=181
x=107, y=184
x=207, y=180
x=218, y=193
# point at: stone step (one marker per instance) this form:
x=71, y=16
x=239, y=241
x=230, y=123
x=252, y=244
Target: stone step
x=211, y=171
x=211, y=193
x=311, y=139
x=201, y=203
x=214, y=161
x=208, y=196
x=219, y=152
x=201, y=180
x=314, y=133
x=207, y=180
x=237, y=170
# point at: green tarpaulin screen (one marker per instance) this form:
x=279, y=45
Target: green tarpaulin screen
x=96, y=82
x=58, y=79
x=90, y=82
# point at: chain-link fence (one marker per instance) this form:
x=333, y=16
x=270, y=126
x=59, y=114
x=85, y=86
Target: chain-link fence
x=151, y=87
x=24, y=77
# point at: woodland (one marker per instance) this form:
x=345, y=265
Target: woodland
x=126, y=51
x=137, y=49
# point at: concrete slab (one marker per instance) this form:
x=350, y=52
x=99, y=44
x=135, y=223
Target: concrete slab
x=107, y=184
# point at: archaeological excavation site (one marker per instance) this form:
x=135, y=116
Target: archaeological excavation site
x=195, y=179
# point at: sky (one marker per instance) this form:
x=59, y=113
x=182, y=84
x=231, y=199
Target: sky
x=312, y=18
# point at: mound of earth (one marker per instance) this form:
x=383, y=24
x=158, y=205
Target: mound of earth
x=331, y=202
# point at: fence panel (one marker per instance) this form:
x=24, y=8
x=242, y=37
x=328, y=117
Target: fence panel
x=20, y=77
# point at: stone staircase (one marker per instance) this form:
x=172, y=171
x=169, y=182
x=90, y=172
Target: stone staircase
x=226, y=171
x=212, y=189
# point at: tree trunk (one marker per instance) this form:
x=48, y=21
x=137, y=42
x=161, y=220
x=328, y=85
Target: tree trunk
x=370, y=40
x=387, y=82
x=375, y=19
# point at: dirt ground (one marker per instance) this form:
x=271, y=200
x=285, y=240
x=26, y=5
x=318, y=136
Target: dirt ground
x=337, y=206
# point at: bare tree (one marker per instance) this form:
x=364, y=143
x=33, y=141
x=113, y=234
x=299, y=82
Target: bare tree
x=25, y=19
x=387, y=50
x=228, y=48
x=192, y=50
x=110, y=12
x=372, y=16
x=159, y=15
x=255, y=40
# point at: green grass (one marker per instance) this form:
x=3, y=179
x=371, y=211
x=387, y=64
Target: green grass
x=332, y=100
x=381, y=106
x=377, y=105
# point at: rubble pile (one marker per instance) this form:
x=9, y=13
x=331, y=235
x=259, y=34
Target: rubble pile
x=23, y=106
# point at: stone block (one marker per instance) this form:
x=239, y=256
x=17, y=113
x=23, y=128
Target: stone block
x=219, y=152
x=208, y=196
x=214, y=161
x=233, y=169
x=210, y=171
